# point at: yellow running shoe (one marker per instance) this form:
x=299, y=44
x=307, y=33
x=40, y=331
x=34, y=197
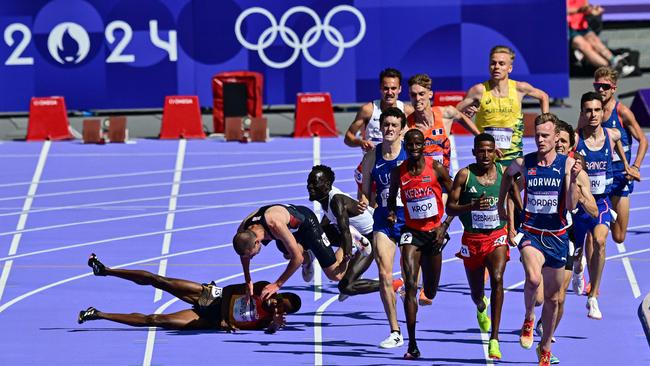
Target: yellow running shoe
x=493, y=349
x=526, y=336
x=484, y=322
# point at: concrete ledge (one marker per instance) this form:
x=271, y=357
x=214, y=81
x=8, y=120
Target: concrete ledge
x=644, y=315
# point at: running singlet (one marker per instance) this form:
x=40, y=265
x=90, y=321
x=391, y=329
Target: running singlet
x=436, y=141
x=362, y=222
x=295, y=220
x=246, y=316
x=422, y=197
x=544, y=201
x=502, y=118
x=615, y=121
x=598, y=165
x=481, y=221
x=373, y=128
x=381, y=174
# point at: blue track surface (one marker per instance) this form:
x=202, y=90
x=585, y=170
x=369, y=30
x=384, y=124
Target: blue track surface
x=114, y=200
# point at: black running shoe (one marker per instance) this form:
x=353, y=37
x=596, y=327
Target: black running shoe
x=98, y=267
x=88, y=314
x=413, y=353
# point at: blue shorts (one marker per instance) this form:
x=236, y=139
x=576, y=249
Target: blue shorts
x=583, y=223
x=555, y=248
x=381, y=224
x=621, y=187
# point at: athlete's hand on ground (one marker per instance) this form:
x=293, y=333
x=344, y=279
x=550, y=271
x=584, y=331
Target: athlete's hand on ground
x=269, y=290
x=367, y=145
x=391, y=218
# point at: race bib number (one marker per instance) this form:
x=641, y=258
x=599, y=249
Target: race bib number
x=423, y=209
x=464, y=251
x=243, y=312
x=500, y=240
x=439, y=157
x=502, y=136
x=598, y=182
x=542, y=202
x=216, y=291
x=485, y=219
x=406, y=238
x=384, y=198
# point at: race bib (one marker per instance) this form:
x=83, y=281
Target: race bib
x=384, y=198
x=243, y=312
x=438, y=156
x=216, y=291
x=542, y=202
x=485, y=219
x=464, y=251
x=423, y=209
x=502, y=136
x=598, y=182
x=406, y=238
x=500, y=240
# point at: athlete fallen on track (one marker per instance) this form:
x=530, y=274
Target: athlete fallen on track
x=213, y=307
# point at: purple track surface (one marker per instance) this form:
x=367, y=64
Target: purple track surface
x=115, y=200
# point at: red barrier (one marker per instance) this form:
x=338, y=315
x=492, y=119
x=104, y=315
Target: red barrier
x=181, y=118
x=444, y=98
x=314, y=115
x=254, y=82
x=48, y=119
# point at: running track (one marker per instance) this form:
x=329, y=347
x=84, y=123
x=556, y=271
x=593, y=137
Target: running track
x=172, y=207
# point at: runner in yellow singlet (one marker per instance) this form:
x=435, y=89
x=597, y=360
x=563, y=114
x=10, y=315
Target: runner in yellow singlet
x=497, y=105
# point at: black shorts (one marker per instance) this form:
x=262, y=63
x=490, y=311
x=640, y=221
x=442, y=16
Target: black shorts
x=423, y=240
x=311, y=236
x=209, y=304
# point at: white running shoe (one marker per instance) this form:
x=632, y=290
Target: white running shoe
x=360, y=242
x=395, y=339
x=627, y=70
x=594, y=311
x=308, y=268
x=578, y=282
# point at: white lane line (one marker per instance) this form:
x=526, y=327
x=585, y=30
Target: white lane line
x=636, y=291
x=22, y=221
x=318, y=317
x=167, y=171
x=151, y=334
x=17, y=299
x=318, y=272
x=150, y=185
x=171, y=211
x=119, y=238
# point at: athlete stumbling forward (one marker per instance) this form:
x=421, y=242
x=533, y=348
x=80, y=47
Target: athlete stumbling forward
x=475, y=199
x=213, y=307
x=550, y=190
x=422, y=239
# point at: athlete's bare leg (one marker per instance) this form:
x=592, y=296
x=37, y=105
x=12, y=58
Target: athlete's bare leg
x=351, y=284
x=411, y=265
x=187, y=291
x=496, y=265
x=597, y=260
x=553, y=279
x=384, y=250
x=619, y=228
x=184, y=319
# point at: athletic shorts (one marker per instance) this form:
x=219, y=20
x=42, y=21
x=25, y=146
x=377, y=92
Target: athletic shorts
x=475, y=247
x=209, y=304
x=423, y=240
x=583, y=223
x=621, y=187
x=555, y=248
x=311, y=236
x=334, y=236
x=578, y=32
x=382, y=225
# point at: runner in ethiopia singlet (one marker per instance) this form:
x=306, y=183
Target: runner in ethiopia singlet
x=544, y=217
x=381, y=177
x=436, y=141
x=502, y=118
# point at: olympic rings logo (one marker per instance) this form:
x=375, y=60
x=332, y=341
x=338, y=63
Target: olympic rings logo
x=291, y=39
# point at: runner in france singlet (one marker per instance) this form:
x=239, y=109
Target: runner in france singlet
x=598, y=165
x=615, y=121
x=436, y=140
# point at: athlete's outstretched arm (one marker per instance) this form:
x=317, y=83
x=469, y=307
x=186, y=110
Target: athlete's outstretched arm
x=585, y=198
x=366, y=184
x=338, y=208
x=469, y=105
x=279, y=230
x=631, y=124
x=524, y=88
x=456, y=116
